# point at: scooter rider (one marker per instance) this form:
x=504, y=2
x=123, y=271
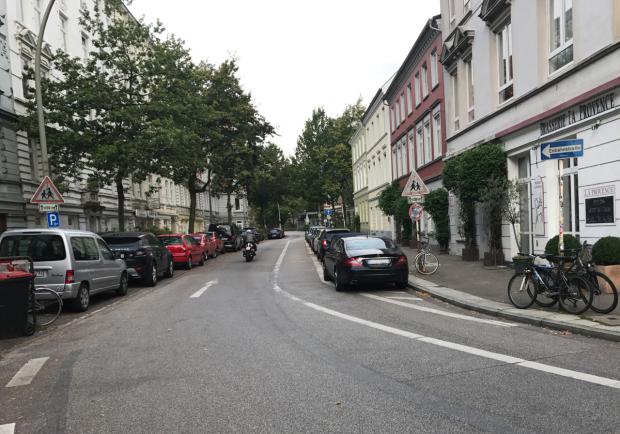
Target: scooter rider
x=248, y=237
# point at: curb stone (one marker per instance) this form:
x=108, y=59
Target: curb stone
x=551, y=320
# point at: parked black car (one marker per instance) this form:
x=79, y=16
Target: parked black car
x=365, y=260
x=145, y=255
x=231, y=235
x=323, y=241
x=313, y=231
x=275, y=233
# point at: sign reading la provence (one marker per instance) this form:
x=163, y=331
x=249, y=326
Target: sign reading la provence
x=579, y=113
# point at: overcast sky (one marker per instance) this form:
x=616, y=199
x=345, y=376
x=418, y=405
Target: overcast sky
x=295, y=55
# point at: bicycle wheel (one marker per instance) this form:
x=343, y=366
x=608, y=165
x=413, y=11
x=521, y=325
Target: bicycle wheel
x=48, y=305
x=576, y=295
x=522, y=290
x=605, y=297
x=545, y=297
x=426, y=263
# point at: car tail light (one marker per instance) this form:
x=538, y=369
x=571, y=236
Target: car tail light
x=69, y=277
x=324, y=244
x=402, y=261
x=352, y=263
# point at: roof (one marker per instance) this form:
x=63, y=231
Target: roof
x=377, y=99
x=47, y=231
x=124, y=234
x=428, y=31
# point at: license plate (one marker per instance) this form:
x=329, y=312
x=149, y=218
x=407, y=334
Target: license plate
x=122, y=256
x=41, y=273
x=378, y=261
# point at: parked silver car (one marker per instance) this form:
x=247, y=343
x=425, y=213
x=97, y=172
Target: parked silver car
x=76, y=264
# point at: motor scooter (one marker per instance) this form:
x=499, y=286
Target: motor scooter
x=249, y=251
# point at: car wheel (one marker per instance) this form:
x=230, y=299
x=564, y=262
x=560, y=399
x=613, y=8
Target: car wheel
x=337, y=283
x=214, y=255
x=202, y=259
x=82, y=301
x=121, y=291
x=326, y=276
x=150, y=276
x=189, y=264
x=401, y=285
x=170, y=270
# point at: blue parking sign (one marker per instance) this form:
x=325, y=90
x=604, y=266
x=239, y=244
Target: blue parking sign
x=53, y=219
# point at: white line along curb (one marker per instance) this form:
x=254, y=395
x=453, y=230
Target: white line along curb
x=27, y=372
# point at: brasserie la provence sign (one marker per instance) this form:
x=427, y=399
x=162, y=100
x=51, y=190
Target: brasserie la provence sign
x=578, y=113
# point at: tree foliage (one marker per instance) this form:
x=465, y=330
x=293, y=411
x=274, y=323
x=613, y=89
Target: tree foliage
x=436, y=203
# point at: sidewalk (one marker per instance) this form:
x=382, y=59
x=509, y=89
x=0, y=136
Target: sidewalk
x=473, y=286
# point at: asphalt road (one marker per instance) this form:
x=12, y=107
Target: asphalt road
x=267, y=346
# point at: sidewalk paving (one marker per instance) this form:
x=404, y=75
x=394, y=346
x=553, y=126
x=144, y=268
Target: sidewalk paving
x=473, y=286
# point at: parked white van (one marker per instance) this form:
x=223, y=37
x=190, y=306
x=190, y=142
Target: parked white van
x=76, y=264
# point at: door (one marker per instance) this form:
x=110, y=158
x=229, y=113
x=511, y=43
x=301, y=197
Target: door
x=160, y=253
x=88, y=266
x=112, y=268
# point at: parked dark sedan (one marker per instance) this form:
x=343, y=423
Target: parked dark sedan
x=275, y=233
x=323, y=240
x=230, y=234
x=145, y=255
x=365, y=260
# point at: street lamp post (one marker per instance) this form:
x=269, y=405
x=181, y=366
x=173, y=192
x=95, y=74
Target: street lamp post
x=37, y=81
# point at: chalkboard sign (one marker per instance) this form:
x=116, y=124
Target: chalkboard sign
x=600, y=210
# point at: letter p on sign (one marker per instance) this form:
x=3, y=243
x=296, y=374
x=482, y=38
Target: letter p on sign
x=53, y=220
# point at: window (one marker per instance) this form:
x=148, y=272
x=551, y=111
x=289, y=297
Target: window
x=455, y=101
x=402, y=108
x=409, y=101
x=84, y=249
x=410, y=138
x=437, y=136
x=419, y=146
x=40, y=247
x=38, y=7
x=394, y=174
x=560, y=34
x=504, y=55
x=570, y=210
x=451, y=9
x=424, y=81
x=63, y=30
x=105, y=250
x=417, y=90
x=467, y=5
x=403, y=163
x=85, y=48
x=392, y=121
x=237, y=204
x=20, y=10
x=434, y=70
x=470, y=90
x=428, y=145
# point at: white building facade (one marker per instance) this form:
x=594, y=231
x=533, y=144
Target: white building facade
x=528, y=72
x=156, y=202
x=360, y=176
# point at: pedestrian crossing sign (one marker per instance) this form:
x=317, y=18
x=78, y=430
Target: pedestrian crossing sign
x=47, y=193
x=415, y=186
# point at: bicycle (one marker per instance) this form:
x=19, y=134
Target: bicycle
x=44, y=307
x=425, y=262
x=605, y=294
x=548, y=285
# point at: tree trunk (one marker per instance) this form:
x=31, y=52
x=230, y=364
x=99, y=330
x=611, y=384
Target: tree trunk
x=210, y=208
x=120, y=194
x=229, y=208
x=191, y=187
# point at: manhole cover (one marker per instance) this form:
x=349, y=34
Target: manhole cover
x=608, y=320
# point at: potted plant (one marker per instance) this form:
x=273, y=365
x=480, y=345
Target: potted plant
x=606, y=256
x=570, y=243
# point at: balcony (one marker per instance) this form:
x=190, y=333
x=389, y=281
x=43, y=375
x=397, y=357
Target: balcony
x=91, y=201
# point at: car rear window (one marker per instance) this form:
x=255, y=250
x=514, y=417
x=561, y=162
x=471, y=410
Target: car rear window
x=39, y=247
x=368, y=243
x=123, y=241
x=171, y=240
x=197, y=238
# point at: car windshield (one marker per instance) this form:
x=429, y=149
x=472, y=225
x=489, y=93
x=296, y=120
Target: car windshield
x=225, y=229
x=39, y=247
x=171, y=240
x=197, y=238
x=122, y=241
x=368, y=243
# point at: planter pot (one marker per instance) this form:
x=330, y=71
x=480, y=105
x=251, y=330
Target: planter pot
x=470, y=254
x=611, y=271
x=492, y=259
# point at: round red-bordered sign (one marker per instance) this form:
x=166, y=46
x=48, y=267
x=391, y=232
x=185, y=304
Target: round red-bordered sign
x=416, y=211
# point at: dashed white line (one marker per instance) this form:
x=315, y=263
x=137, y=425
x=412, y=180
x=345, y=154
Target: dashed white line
x=204, y=289
x=438, y=311
x=8, y=428
x=404, y=298
x=504, y=358
x=27, y=372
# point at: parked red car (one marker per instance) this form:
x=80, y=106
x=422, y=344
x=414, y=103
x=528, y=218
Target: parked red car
x=217, y=239
x=208, y=244
x=186, y=251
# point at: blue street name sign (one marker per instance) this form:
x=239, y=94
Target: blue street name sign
x=561, y=149
x=53, y=220
x=328, y=211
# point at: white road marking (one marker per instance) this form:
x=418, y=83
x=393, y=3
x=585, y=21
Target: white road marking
x=405, y=298
x=204, y=289
x=504, y=358
x=8, y=428
x=27, y=372
x=438, y=311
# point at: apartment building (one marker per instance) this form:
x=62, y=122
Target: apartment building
x=417, y=116
x=360, y=176
x=528, y=72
